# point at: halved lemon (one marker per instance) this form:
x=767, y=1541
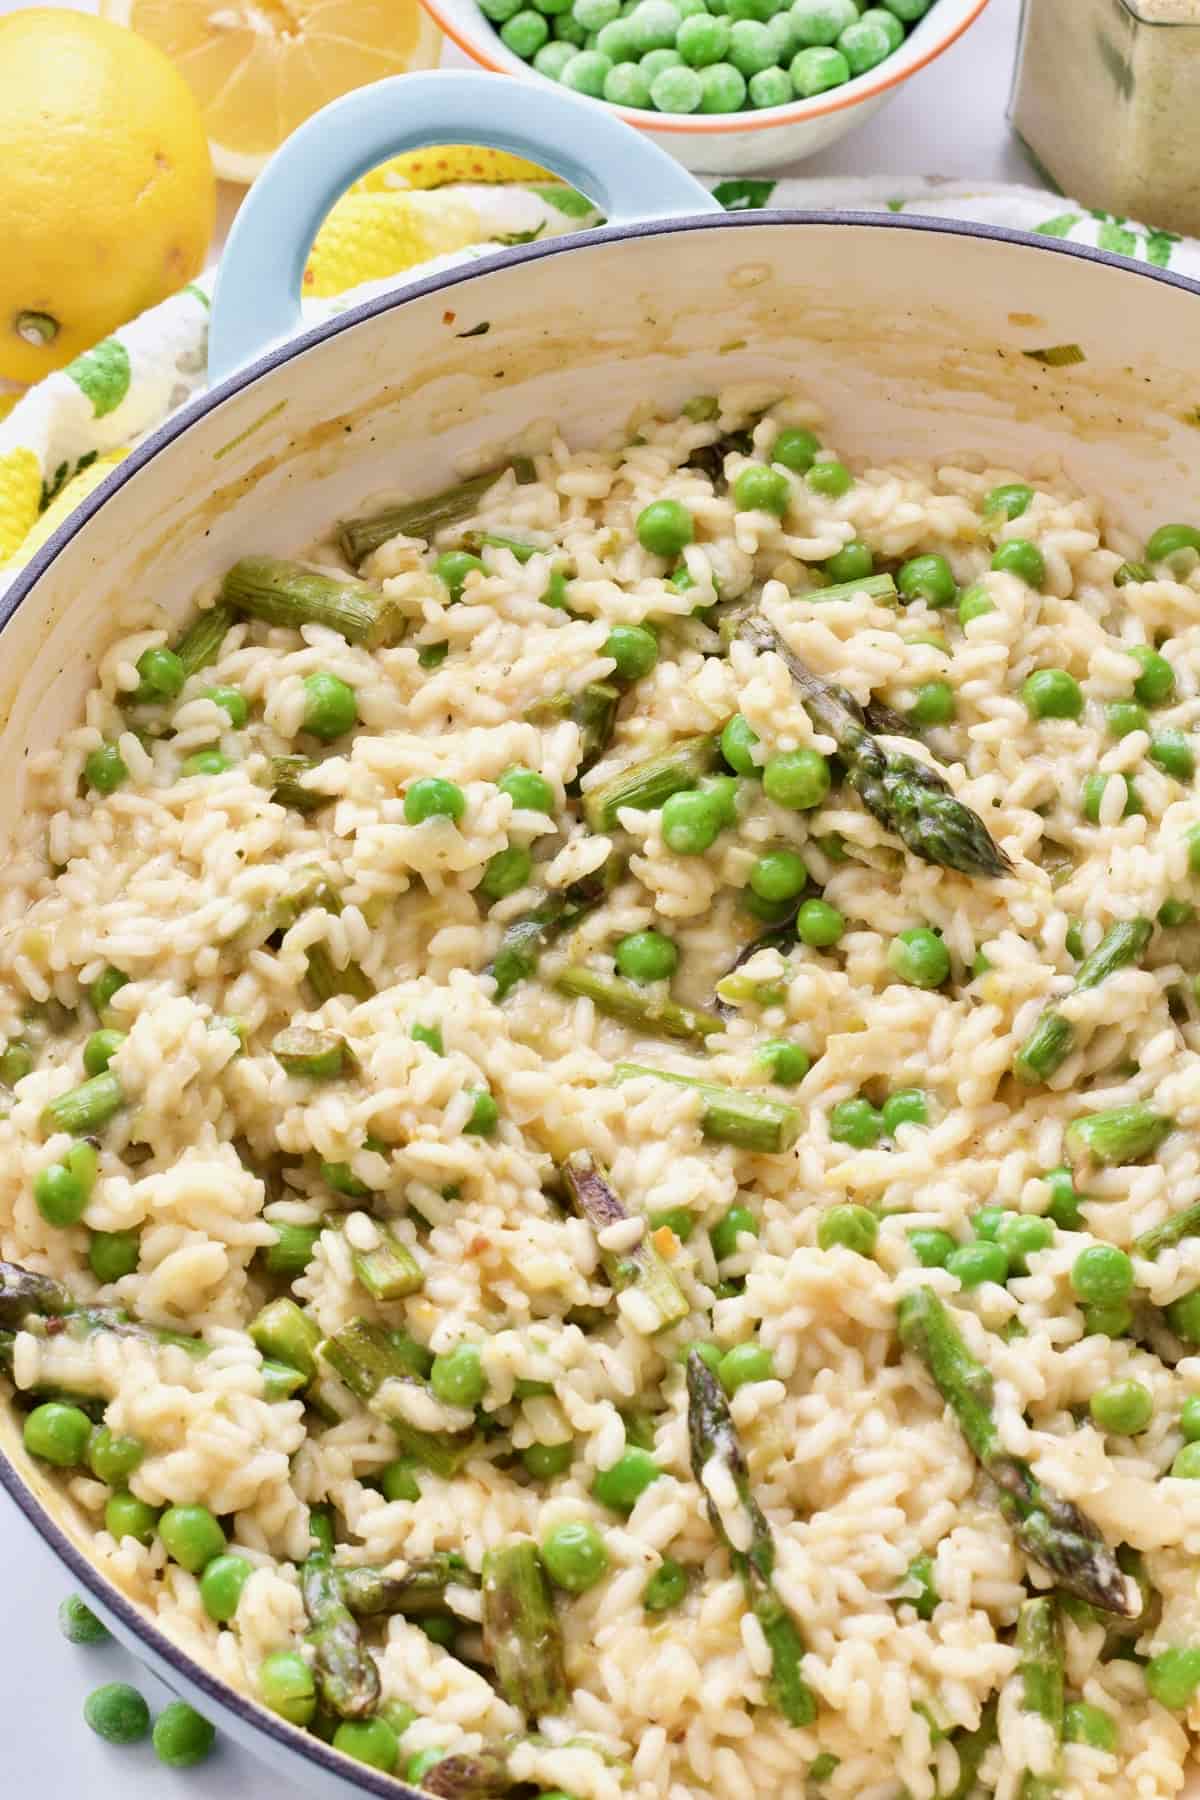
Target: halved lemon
x=259, y=68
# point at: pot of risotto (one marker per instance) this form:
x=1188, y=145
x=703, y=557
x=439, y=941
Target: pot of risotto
x=601, y=1052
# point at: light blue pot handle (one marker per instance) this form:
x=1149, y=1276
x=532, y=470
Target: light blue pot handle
x=257, y=296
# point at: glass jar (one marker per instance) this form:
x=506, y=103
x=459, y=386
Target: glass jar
x=1106, y=99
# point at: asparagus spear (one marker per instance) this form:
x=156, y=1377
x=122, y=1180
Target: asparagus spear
x=526, y=938
x=325, y=979
x=751, y=1121
x=198, y=646
x=593, y=709
x=521, y=1634
x=648, y=1012
x=1172, y=1231
x=972, y=1747
x=347, y=1674
x=414, y=518
x=713, y=1439
x=1050, y=1042
x=733, y=990
x=647, y=784
x=376, y=1370
x=390, y=1271
x=284, y=777
x=875, y=587
x=287, y=593
x=23, y=1291
x=906, y=796
x=85, y=1109
x=1039, y=1643
x=641, y=1267
x=317, y=1055
x=1051, y=1530
x=1122, y=1134
x=476, y=1777
x=368, y=1592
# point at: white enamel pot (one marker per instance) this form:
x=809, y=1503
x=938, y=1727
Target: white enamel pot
x=914, y=334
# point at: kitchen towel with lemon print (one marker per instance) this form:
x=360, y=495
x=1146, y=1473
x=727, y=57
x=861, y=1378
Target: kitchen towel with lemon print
x=412, y=217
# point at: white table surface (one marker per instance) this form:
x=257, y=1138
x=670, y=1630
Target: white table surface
x=947, y=121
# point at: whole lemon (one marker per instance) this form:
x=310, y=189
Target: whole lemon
x=107, y=197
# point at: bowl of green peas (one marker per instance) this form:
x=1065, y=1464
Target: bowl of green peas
x=726, y=86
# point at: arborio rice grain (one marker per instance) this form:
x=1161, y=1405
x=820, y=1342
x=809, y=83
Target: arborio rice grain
x=891, y=1554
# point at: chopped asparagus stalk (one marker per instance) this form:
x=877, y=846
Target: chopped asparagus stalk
x=641, y=1266
x=480, y=1776
x=1123, y=1134
x=23, y=1291
x=1151, y=1243
x=713, y=1439
x=521, y=1635
x=527, y=937
x=36, y=1304
x=292, y=1250
x=347, y=1674
x=1052, y=1038
x=1051, y=1530
x=285, y=1333
x=85, y=1109
x=326, y=980
x=281, y=1382
x=593, y=709
x=286, y=593
x=906, y=796
x=646, y=785
x=285, y=778
x=742, y=990
x=521, y=548
x=972, y=1747
x=310, y=887
x=875, y=587
x=390, y=1271
x=733, y=990
x=199, y=646
x=1040, y=1647
x=729, y=1116
x=414, y=518
x=316, y=1055
x=369, y=1592
x=652, y=1013
x=376, y=1369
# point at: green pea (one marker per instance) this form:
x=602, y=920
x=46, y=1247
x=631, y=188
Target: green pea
x=1102, y=1275
x=1022, y=1235
x=369, y=1741
x=221, y=1586
x=545, y=1461
x=1192, y=839
x=743, y=1364
x=1189, y=1419
x=499, y=10
x=856, y=1122
x=100, y=1049
x=923, y=1603
x=814, y=71
x=760, y=488
x=931, y=1247
x=1091, y=1725
x=972, y=1264
x=287, y=1686
x=432, y=798
x=112, y=1457
x=1052, y=694
x=1172, y=752
x=850, y=1227
x=162, y=674
x=774, y=912
x=677, y=1219
x=690, y=822
x=646, y=956
x=666, y=1588
x=929, y=578
x=1092, y=794
x=822, y=1767
x=1124, y=716
x=506, y=873
x=191, y=1536
x=864, y=46
x=1017, y=556
x=785, y=1063
x=665, y=527
x=16, y=1061
x=752, y=49
x=1173, y=913
x=773, y=86
x=594, y=15
x=79, y=1624
x=181, y=1737
x=1074, y=940
x=101, y=992
x=232, y=702
x=204, y=762
x=829, y=479
x=59, y=1195
x=625, y=84
x=430, y=1036
x=906, y=1106
x=723, y=90
x=1011, y=498
x=722, y=790
x=485, y=1115
x=432, y=656
x=654, y=62
x=1064, y=1201
x=934, y=703
x=819, y=925
x=633, y=649
x=621, y=1486
x=778, y=875
x=398, y=1481
x=117, y=1713
x=888, y=23
x=974, y=602
x=797, y=779
x=127, y=1516
x=853, y=562
x=1123, y=1407
x=528, y=791
x=702, y=39
x=919, y=957
x=330, y=706
x=1174, y=544
x=796, y=449
x=457, y=1378
x=1172, y=1678
x=104, y=769
x=57, y=1433
x=453, y=566
x=575, y=1556
x=1156, y=683
x=987, y=1222
x=1186, y=1466
x=737, y=742
x=1107, y=1321
x=726, y=1232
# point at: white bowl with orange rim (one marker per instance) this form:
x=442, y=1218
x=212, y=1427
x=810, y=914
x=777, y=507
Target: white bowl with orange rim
x=738, y=143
